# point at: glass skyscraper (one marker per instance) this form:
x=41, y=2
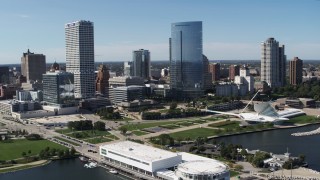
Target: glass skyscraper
x=80, y=57
x=58, y=88
x=186, y=60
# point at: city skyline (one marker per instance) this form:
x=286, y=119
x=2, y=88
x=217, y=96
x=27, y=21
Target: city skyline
x=231, y=29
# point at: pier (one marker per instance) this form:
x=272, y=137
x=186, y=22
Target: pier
x=309, y=133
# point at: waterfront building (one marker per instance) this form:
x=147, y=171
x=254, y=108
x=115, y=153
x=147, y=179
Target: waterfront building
x=80, y=57
x=186, y=59
x=295, y=71
x=162, y=164
x=126, y=94
x=128, y=68
x=227, y=89
x=58, y=88
x=214, y=69
x=125, y=81
x=33, y=66
x=141, y=63
x=245, y=78
x=234, y=70
x=273, y=63
x=102, y=80
x=25, y=95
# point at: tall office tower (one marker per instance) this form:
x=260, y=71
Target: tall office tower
x=58, y=88
x=33, y=66
x=186, y=60
x=214, y=69
x=207, y=82
x=4, y=74
x=295, y=71
x=102, y=81
x=234, y=70
x=128, y=68
x=141, y=63
x=273, y=63
x=80, y=57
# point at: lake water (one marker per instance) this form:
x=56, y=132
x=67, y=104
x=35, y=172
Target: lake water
x=277, y=141
x=71, y=169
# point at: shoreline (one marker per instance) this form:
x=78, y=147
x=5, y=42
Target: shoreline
x=262, y=130
x=19, y=167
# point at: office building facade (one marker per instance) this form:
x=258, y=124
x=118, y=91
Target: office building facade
x=214, y=69
x=102, y=81
x=186, y=60
x=33, y=66
x=273, y=63
x=295, y=71
x=234, y=70
x=58, y=88
x=141, y=63
x=128, y=68
x=80, y=57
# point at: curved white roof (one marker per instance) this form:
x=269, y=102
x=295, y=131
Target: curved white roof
x=202, y=167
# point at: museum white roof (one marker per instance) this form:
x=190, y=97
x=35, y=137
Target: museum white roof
x=139, y=151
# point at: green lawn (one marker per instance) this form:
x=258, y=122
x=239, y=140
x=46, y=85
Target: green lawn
x=225, y=124
x=140, y=126
x=185, y=123
x=194, y=133
x=98, y=140
x=88, y=134
x=13, y=150
x=139, y=133
x=233, y=173
x=170, y=126
x=303, y=119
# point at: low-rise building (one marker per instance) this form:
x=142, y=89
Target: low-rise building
x=126, y=94
x=121, y=81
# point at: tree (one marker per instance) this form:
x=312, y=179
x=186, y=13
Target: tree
x=238, y=167
x=29, y=152
x=123, y=129
x=24, y=154
x=100, y=126
x=67, y=153
x=72, y=151
x=60, y=153
x=173, y=105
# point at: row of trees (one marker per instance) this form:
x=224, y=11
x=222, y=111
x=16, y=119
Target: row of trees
x=172, y=113
x=108, y=113
x=86, y=125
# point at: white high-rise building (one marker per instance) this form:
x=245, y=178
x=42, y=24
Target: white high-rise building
x=244, y=80
x=80, y=57
x=273, y=63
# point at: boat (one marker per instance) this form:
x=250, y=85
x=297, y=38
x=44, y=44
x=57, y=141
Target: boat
x=113, y=171
x=90, y=165
x=83, y=159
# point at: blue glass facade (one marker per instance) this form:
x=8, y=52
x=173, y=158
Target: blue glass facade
x=186, y=60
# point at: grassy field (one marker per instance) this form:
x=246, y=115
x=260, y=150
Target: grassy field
x=64, y=131
x=170, y=126
x=225, y=124
x=14, y=149
x=132, y=127
x=303, y=120
x=139, y=133
x=194, y=133
x=98, y=140
x=88, y=134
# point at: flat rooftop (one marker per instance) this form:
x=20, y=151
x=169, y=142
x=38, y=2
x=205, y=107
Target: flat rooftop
x=139, y=151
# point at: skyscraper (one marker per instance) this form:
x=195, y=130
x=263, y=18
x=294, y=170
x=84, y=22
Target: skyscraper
x=207, y=79
x=295, y=71
x=102, y=81
x=80, y=57
x=186, y=60
x=214, y=69
x=128, y=68
x=58, y=88
x=33, y=66
x=234, y=70
x=273, y=63
x=141, y=63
